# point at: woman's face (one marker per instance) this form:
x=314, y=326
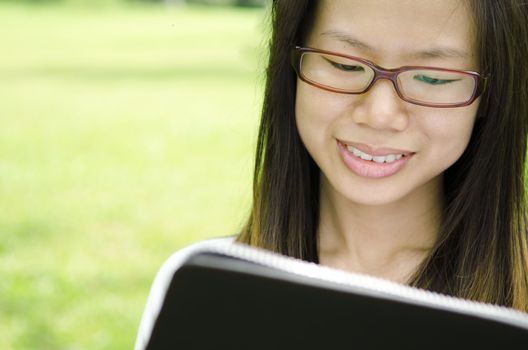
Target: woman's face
x=378, y=123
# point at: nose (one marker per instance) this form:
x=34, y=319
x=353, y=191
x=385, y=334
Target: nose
x=381, y=107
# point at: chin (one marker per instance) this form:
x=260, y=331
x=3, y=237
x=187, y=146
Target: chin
x=373, y=199
x=361, y=194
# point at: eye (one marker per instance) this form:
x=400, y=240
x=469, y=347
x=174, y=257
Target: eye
x=346, y=67
x=433, y=81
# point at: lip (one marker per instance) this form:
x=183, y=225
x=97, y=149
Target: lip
x=376, y=151
x=370, y=169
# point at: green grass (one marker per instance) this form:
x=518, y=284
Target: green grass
x=126, y=134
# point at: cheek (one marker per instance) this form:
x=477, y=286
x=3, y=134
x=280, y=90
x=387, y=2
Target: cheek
x=450, y=134
x=312, y=118
x=317, y=112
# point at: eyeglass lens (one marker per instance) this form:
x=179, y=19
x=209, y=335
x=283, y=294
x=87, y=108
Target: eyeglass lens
x=420, y=85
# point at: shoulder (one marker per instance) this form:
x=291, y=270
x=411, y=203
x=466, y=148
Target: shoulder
x=161, y=281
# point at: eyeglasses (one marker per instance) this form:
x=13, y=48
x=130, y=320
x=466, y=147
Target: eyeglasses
x=424, y=86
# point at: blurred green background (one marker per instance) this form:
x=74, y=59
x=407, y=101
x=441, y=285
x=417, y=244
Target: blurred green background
x=127, y=131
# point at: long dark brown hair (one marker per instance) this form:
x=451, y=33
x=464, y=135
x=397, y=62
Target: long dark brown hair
x=482, y=250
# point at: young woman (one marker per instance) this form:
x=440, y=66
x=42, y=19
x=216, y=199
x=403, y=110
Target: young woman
x=393, y=143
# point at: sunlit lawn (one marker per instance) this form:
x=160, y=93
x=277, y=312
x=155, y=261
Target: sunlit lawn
x=125, y=134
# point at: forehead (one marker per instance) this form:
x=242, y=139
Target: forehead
x=396, y=30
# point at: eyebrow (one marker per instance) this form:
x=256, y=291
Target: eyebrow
x=442, y=52
x=435, y=52
x=348, y=39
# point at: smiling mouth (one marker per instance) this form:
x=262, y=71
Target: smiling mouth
x=373, y=163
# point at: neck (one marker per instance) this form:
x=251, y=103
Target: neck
x=387, y=241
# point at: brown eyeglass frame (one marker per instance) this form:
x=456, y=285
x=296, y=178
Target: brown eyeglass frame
x=389, y=74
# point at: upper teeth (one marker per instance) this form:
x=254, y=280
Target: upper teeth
x=378, y=159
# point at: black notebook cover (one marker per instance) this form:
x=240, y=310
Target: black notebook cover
x=219, y=302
